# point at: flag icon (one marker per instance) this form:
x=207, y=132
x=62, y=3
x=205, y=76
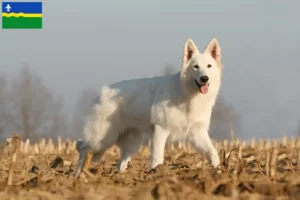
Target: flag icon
x=22, y=15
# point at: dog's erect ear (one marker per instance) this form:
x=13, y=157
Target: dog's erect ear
x=189, y=50
x=214, y=49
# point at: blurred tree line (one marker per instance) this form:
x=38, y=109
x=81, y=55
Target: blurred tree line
x=28, y=106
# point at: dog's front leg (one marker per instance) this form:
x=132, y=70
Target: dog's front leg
x=158, y=143
x=201, y=141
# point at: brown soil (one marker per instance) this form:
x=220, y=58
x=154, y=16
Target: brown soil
x=249, y=173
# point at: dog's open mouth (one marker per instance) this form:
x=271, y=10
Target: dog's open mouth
x=203, y=88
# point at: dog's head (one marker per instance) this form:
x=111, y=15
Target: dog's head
x=201, y=70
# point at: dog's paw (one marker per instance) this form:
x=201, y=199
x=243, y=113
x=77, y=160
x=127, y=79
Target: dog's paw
x=123, y=165
x=215, y=161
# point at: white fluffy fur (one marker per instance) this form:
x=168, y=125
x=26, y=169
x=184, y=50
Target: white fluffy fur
x=165, y=107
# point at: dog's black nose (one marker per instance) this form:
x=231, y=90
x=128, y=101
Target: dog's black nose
x=204, y=79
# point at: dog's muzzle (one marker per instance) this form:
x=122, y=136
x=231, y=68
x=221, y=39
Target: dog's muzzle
x=203, y=88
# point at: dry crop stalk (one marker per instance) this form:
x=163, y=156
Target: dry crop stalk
x=223, y=159
x=292, y=143
x=50, y=146
x=74, y=145
x=59, y=145
x=14, y=151
x=231, y=132
x=298, y=159
x=67, y=151
x=297, y=143
x=268, y=145
x=273, y=163
x=240, y=151
x=87, y=162
x=41, y=146
x=26, y=147
x=36, y=148
x=261, y=144
x=253, y=143
x=275, y=144
x=284, y=141
x=268, y=174
x=172, y=147
x=225, y=145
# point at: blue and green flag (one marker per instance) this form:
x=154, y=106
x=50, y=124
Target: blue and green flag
x=22, y=15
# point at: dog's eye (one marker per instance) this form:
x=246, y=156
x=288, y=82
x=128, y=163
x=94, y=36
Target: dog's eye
x=196, y=67
x=209, y=66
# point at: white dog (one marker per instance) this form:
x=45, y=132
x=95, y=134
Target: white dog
x=165, y=107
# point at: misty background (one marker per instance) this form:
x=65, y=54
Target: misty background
x=48, y=77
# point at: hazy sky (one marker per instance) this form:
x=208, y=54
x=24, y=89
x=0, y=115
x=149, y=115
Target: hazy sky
x=92, y=43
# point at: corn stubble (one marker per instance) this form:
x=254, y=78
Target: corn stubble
x=259, y=169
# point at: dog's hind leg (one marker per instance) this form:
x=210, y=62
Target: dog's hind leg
x=97, y=155
x=129, y=143
x=84, y=159
x=158, y=142
x=94, y=152
x=100, y=131
x=87, y=154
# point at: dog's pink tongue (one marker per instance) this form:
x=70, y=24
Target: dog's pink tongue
x=204, y=89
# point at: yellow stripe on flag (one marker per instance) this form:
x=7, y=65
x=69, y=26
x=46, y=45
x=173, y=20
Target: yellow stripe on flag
x=21, y=15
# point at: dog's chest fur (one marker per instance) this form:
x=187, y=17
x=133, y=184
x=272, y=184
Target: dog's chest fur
x=178, y=118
